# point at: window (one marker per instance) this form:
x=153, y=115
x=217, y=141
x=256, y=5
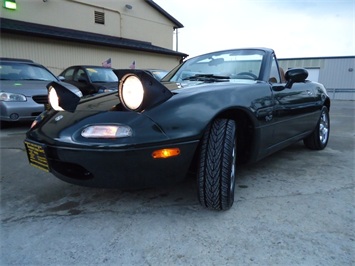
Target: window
x=80, y=75
x=235, y=64
x=274, y=72
x=24, y=71
x=99, y=17
x=68, y=75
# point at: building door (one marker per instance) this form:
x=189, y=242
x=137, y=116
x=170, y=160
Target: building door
x=313, y=74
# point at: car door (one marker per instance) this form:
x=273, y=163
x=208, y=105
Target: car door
x=68, y=75
x=294, y=111
x=82, y=81
x=77, y=77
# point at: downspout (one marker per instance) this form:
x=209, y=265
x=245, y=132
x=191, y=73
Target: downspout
x=176, y=39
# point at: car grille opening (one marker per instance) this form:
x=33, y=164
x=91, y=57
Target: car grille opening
x=71, y=170
x=40, y=99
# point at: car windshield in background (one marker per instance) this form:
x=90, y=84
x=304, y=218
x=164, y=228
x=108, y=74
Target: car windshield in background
x=23, y=71
x=220, y=66
x=158, y=74
x=101, y=75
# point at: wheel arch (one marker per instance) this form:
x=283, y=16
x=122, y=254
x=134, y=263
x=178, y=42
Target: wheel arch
x=245, y=133
x=327, y=103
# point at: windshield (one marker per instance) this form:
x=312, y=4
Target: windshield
x=159, y=74
x=101, y=75
x=220, y=66
x=24, y=71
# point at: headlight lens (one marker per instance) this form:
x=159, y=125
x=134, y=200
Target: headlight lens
x=53, y=99
x=132, y=92
x=12, y=97
x=107, y=131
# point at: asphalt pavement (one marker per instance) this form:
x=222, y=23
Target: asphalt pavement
x=295, y=207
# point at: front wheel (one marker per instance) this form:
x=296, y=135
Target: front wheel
x=217, y=163
x=318, y=140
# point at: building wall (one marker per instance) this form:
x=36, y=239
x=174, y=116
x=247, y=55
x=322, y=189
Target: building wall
x=305, y=63
x=142, y=22
x=58, y=55
x=337, y=72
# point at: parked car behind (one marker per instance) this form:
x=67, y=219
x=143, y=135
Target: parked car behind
x=90, y=79
x=157, y=73
x=23, y=91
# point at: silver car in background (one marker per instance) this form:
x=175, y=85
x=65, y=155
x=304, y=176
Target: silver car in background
x=23, y=92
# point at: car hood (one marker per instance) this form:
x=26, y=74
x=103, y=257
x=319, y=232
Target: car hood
x=172, y=85
x=25, y=87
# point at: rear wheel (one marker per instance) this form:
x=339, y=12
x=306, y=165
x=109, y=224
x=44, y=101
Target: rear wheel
x=318, y=140
x=217, y=164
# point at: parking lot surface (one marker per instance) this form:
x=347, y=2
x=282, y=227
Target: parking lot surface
x=295, y=207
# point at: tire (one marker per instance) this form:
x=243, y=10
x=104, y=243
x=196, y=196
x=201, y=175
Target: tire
x=217, y=164
x=318, y=139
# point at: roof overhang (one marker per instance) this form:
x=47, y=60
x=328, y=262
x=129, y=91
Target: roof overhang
x=176, y=23
x=44, y=31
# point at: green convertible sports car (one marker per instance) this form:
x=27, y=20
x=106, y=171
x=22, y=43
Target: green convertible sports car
x=209, y=114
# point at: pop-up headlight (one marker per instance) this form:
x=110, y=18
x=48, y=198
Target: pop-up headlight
x=138, y=90
x=63, y=97
x=132, y=92
x=53, y=99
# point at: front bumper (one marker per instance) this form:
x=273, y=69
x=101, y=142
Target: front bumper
x=118, y=167
x=20, y=111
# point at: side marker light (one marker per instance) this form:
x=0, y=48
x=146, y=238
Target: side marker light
x=166, y=153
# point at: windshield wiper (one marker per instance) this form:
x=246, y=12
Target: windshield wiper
x=208, y=78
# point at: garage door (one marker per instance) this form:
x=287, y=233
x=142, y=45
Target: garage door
x=313, y=74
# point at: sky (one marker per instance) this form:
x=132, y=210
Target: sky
x=293, y=28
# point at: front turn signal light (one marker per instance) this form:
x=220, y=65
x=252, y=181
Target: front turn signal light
x=166, y=153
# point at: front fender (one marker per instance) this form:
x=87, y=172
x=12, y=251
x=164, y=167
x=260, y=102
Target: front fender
x=187, y=113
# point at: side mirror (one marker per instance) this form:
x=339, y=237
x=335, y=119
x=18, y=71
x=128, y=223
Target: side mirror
x=278, y=88
x=295, y=75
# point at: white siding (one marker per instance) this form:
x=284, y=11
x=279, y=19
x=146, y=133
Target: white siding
x=142, y=22
x=305, y=63
x=333, y=72
x=58, y=55
x=313, y=74
x=337, y=73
